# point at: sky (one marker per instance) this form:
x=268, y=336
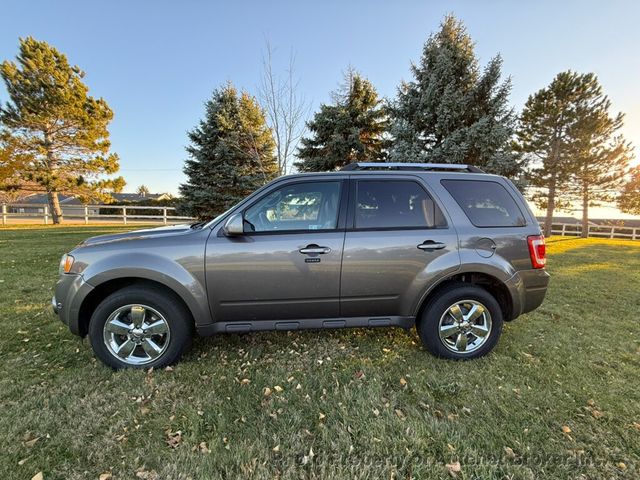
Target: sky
x=157, y=62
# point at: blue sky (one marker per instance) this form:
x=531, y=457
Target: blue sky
x=157, y=62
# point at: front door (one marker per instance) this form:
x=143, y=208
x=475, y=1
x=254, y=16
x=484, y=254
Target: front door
x=287, y=263
x=398, y=242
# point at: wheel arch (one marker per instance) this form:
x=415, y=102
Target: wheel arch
x=106, y=288
x=496, y=287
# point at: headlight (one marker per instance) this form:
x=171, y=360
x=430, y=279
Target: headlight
x=66, y=262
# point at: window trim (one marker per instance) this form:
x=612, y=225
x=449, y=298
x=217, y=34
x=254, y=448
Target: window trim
x=524, y=217
x=353, y=197
x=342, y=207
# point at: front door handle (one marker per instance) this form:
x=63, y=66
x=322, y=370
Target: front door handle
x=314, y=249
x=430, y=245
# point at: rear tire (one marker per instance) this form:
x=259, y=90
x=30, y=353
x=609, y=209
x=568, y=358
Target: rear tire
x=140, y=327
x=461, y=322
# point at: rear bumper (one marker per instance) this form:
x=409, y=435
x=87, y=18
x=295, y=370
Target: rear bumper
x=528, y=289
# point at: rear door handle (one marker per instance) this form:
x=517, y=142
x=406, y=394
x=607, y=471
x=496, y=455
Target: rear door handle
x=314, y=249
x=430, y=245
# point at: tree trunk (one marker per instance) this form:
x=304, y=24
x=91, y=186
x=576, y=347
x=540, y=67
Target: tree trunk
x=54, y=205
x=585, y=212
x=551, y=206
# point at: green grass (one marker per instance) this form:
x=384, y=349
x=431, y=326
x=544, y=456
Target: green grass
x=367, y=403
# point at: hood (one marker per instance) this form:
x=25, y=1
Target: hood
x=139, y=234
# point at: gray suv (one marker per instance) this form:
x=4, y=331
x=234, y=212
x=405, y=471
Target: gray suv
x=447, y=248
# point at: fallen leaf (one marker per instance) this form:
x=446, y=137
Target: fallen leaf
x=386, y=350
x=38, y=476
x=245, y=381
x=454, y=468
x=203, y=448
x=144, y=410
x=596, y=413
x=173, y=438
x=400, y=414
x=376, y=412
x=621, y=465
x=278, y=389
x=321, y=416
x=636, y=425
x=105, y=476
x=276, y=448
x=509, y=452
x=566, y=429
x=267, y=391
x=591, y=402
x=32, y=442
x=403, y=382
x=358, y=375
x=147, y=474
x=169, y=369
x=23, y=461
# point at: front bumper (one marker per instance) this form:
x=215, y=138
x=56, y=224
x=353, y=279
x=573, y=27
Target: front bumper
x=70, y=292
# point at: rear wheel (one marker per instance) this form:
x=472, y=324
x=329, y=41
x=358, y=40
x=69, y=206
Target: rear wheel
x=463, y=322
x=140, y=327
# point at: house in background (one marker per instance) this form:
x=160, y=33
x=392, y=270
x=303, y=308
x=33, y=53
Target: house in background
x=71, y=206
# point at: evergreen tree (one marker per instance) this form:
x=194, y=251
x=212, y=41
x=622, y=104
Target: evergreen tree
x=629, y=199
x=546, y=133
x=231, y=154
x=349, y=130
x=601, y=154
x=452, y=112
x=56, y=133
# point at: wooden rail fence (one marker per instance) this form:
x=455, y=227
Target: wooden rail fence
x=24, y=213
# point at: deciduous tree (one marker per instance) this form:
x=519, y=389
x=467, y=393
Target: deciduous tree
x=54, y=133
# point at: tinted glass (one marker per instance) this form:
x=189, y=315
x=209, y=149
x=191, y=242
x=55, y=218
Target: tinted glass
x=487, y=204
x=302, y=206
x=395, y=204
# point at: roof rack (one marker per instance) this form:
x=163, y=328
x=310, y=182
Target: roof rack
x=411, y=166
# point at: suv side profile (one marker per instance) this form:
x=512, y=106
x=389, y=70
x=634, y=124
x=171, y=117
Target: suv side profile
x=446, y=248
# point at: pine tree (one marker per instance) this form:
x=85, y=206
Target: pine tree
x=451, y=111
x=545, y=133
x=231, y=154
x=351, y=129
x=629, y=199
x=601, y=154
x=56, y=133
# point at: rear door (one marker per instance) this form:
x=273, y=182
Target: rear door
x=399, y=241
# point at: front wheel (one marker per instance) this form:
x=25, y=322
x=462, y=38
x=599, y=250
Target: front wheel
x=463, y=322
x=140, y=327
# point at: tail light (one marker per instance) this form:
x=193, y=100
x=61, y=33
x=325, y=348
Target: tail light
x=537, y=251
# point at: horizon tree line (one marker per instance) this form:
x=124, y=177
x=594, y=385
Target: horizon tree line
x=565, y=147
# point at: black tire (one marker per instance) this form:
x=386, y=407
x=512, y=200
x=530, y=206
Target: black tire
x=166, y=303
x=428, y=326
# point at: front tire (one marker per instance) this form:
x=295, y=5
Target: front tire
x=462, y=322
x=140, y=327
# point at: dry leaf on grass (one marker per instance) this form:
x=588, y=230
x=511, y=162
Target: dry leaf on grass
x=105, y=476
x=596, y=413
x=278, y=389
x=566, y=429
x=173, y=438
x=147, y=474
x=453, y=468
x=245, y=381
x=403, y=382
x=508, y=451
x=267, y=391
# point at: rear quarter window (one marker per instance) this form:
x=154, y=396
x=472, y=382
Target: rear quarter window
x=486, y=203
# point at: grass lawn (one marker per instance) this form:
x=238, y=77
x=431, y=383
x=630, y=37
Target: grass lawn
x=559, y=397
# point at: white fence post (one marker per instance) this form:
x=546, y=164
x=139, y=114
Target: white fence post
x=633, y=234
x=86, y=215
x=164, y=216
x=46, y=215
x=612, y=228
x=564, y=227
x=4, y=213
x=124, y=215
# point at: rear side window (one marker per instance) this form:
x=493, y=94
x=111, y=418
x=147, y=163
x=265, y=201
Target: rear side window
x=487, y=204
x=395, y=204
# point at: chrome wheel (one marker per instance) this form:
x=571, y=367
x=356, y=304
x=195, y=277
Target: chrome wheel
x=136, y=334
x=465, y=326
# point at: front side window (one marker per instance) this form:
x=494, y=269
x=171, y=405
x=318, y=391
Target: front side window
x=395, y=204
x=297, y=207
x=486, y=203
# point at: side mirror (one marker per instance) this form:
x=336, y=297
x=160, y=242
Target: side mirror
x=234, y=225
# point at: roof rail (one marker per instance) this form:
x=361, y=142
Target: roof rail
x=411, y=166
